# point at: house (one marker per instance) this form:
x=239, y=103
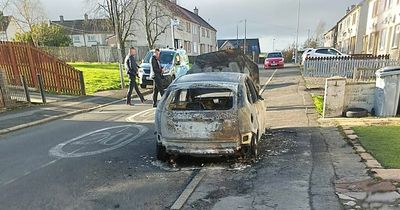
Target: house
x=371, y=27
x=188, y=30
x=330, y=37
x=252, y=46
x=351, y=29
x=87, y=32
x=383, y=28
x=8, y=28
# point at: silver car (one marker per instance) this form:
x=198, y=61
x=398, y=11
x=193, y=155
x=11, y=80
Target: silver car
x=210, y=114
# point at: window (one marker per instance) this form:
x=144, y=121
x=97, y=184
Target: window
x=389, y=3
x=203, y=32
x=252, y=95
x=322, y=51
x=194, y=29
x=201, y=99
x=208, y=33
x=188, y=46
x=275, y=55
x=396, y=37
x=188, y=28
x=375, y=9
x=371, y=42
x=76, y=39
x=195, y=47
x=354, y=18
x=382, y=41
x=91, y=38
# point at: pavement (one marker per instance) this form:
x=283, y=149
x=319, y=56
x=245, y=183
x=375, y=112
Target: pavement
x=58, y=107
x=104, y=158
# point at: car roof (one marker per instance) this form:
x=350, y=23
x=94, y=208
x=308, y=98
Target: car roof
x=230, y=77
x=275, y=52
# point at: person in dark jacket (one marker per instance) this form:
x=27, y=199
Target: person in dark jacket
x=132, y=70
x=157, y=76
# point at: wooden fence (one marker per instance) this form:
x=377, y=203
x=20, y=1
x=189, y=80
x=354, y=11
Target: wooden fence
x=22, y=59
x=359, y=67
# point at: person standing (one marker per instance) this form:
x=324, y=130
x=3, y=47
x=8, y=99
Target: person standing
x=132, y=70
x=157, y=73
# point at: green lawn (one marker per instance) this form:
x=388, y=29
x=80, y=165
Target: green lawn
x=99, y=76
x=383, y=142
x=319, y=103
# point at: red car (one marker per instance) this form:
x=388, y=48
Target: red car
x=274, y=60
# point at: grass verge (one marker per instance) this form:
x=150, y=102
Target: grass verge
x=383, y=142
x=319, y=103
x=100, y=76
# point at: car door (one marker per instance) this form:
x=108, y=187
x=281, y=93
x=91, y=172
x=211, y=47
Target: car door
x=257, y=108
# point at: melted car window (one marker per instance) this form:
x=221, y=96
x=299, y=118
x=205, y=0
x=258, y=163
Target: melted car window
x=201, y=99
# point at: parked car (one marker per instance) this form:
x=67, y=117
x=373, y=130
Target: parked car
x=210, y=114
x=274, y=60
x=323, y=52
x=305, y=54
x=170, y=60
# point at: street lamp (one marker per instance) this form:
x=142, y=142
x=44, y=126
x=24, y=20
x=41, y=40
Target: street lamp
x=245, y=34
x=297, y=34
x=273, y=44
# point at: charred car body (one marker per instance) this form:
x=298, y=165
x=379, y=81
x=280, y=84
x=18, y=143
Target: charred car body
x=210, y=114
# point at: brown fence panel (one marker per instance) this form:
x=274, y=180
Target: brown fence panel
x=23, y=59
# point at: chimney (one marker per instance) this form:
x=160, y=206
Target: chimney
x=348, y=10
x=353, y=6
x=61, y=18
x=196, y=11
x=86, y=17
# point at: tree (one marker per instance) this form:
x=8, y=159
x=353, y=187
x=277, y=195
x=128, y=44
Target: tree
x=3, y=5
x=51, y=36
x=27, y=13
x=123, y=19
x=316, y=40
x=154, y=20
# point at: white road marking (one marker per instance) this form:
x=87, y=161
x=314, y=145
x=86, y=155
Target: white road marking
x=30, y=172
x=143, y=116
x=268, y=81
x=188, y=190
x=101, y=137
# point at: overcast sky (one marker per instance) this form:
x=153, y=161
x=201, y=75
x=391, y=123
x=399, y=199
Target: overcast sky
x=267, y=19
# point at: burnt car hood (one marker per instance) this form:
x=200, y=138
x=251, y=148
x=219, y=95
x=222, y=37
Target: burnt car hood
x=226, y=61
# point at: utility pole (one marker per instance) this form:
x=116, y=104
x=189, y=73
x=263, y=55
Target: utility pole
x=297, y=34
x=237, y=36
x=117, y=38
x=245, y=36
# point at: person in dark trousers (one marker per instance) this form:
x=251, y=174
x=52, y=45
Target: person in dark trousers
x=132, y=70
x=157, y=76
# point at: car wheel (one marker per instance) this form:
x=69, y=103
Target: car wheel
x=143, y=86
x=254, y=147
x=162, y=154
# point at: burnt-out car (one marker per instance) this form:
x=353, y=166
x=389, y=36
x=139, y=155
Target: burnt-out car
x=210, y=114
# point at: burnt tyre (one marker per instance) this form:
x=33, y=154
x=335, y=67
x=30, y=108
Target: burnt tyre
x=162, y=154
x=356, y=113
x=254, y=147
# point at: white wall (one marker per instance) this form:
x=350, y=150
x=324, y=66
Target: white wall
x=88, y=40
x=359, y=95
